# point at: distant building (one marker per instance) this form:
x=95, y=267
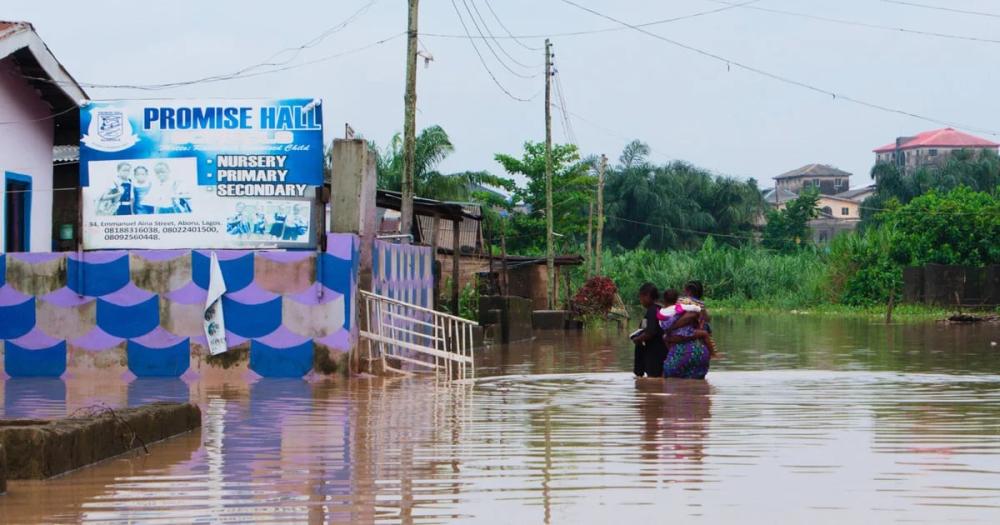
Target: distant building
x=38, y=110
x=839, y=207
x=930, y=148
x=827, y=179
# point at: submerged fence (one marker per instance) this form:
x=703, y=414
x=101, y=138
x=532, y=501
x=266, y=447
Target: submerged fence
x=952, y=285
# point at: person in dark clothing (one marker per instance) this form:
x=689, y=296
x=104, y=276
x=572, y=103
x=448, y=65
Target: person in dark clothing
x=650, y=350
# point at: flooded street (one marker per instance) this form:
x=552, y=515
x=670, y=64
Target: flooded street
x=806, y=419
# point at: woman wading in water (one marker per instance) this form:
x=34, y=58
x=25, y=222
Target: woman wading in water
x=688, y=338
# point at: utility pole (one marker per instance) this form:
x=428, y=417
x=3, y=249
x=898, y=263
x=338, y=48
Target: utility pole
x=600, y=212
x=589, y=264
x=550, y=240
x=409, y=124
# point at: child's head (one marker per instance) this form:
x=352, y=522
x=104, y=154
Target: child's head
x=648, y=294
x=670, y=296
x=694, y=289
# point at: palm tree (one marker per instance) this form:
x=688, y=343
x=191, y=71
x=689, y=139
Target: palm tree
x=432, y=146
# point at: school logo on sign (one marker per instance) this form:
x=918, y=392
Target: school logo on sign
x=109, y=124
x=109, y=131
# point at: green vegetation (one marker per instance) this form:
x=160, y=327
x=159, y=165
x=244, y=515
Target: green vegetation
x=732, y=275
x=788, y=228
x=674, y=222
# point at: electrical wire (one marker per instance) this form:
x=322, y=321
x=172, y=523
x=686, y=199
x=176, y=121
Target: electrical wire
x=223, y=78
x=489, y=46
x=601, y=30
x=611, y=133
x=503, y=26
x=940, y=8
x=48, y=117
x=567, y=125
x=494, y=38
x=863, y=24
x=295, y=51
x=783, y=79
x=482, y=60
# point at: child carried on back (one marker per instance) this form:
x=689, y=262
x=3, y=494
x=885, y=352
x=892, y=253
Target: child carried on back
x=675, y=306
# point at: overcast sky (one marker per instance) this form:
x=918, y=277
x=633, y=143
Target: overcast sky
x=620, y=84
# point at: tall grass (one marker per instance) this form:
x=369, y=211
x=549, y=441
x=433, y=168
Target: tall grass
x=731, y=275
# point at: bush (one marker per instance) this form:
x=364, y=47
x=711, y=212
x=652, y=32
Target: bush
x=596, y=297
x=864, y=268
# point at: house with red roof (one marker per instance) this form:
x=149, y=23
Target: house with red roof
x=930, y=148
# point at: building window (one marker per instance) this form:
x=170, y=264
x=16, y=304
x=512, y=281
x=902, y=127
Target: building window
x=932, y=153
x=845, y=211
x=827, y=211
x=838, y=183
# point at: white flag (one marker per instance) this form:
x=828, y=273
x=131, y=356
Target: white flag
x=215, y=325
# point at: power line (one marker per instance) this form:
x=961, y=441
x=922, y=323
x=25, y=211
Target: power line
x=940, y=8
x=295, y=51
x=597, y=31
x=483, y=60
x=509, y=34
x=611, y=133
x=567, y=125
x=494, y=38
x=48, y=117
x=489, y=46
x=784, y=79
x=223, y=78
x=864, y=24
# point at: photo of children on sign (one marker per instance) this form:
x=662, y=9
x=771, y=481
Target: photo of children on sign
x=143, y=187
x=269, y=221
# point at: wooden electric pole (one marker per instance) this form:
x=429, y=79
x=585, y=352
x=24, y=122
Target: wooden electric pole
x=600, y=213
x=409, y=124
x=589, y=263
x=549, y=237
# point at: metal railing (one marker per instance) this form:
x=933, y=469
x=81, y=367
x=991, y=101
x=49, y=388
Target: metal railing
x=404, y=335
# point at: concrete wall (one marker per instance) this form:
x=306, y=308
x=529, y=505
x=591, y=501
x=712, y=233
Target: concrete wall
x=26, y=149
x=287, y=314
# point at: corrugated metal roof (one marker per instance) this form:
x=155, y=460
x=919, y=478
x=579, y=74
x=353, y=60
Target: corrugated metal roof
x=943, y=138
x=66, y=154
x=814, y=170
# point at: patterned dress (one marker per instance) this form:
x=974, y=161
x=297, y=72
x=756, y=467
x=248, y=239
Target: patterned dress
x=688, y=360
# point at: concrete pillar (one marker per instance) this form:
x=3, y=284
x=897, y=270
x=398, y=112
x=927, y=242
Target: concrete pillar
x=352, y=210
x=352, y=198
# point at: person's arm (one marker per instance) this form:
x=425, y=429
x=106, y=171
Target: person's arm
x=652, y=329
x=687, y=319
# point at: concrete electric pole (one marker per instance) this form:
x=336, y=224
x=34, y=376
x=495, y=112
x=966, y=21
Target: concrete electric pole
x=409, y=124
x=549, y=239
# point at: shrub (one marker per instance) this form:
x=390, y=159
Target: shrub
x=596, y=297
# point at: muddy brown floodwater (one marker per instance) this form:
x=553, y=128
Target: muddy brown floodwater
x=806, y=420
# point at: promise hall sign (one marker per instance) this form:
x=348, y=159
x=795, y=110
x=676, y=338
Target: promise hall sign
x=201, y=173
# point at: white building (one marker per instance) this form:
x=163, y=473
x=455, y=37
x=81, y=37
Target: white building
x=39, y=104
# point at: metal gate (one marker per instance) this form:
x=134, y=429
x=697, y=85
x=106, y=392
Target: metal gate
x=404, y=335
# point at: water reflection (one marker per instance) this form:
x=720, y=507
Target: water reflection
x=891, y=424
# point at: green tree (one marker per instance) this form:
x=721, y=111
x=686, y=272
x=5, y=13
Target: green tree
x=432, y=146
x=958, y=227
x=788, y=229
x=675, y=205
x=572, y=186
x=977, y=170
